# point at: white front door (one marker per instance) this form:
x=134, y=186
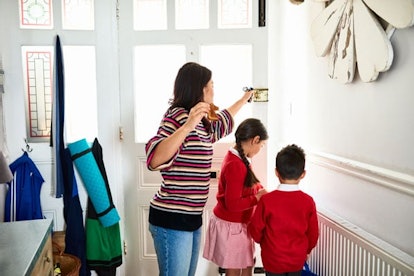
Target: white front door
x=138, y=183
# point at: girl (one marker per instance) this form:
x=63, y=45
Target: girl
x=228, y=243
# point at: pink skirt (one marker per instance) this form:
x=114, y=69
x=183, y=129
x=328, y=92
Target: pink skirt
x=228, y=244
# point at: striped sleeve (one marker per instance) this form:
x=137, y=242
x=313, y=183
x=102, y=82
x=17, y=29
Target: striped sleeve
x=222, y=127
x=168, y=126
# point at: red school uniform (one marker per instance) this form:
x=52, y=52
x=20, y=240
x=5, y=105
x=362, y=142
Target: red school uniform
x=235, y=202
x=285, y=224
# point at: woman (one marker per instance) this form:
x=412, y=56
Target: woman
x=182, y=151
x=228, y=244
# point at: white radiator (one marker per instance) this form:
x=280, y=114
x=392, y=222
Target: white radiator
x=346, y=250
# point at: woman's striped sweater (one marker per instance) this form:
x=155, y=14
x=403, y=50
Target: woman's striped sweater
x=180, y=201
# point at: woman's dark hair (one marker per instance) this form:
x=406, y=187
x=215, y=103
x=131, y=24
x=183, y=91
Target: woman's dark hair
x=248, y=129
x=189, y=83
x=188, y=87
x=290, y=162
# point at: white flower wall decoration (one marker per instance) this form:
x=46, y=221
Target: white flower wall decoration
x=350, y=33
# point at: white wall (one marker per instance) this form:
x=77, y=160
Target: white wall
x=358, y=136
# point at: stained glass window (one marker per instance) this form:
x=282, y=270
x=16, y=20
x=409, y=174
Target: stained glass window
x=36, y=14
x=37, y=68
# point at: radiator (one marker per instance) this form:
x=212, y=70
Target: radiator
x=346, y=250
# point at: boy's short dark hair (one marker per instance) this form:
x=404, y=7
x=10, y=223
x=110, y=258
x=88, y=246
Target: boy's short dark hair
x=290, y=162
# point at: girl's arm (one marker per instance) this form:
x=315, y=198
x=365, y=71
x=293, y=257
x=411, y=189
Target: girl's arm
x=235, y=199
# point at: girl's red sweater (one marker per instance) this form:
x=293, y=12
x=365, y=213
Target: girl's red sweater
x=235, y=202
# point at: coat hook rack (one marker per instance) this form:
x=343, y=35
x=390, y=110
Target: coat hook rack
x=28, y=147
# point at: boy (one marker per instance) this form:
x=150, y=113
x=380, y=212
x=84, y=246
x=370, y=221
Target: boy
x=285, y=223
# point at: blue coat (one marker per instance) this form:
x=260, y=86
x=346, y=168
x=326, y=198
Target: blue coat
x=23, y=196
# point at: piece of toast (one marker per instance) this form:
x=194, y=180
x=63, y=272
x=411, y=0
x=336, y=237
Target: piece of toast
x=212, y=116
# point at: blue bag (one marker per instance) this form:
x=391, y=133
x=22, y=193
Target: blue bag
x=306, y=270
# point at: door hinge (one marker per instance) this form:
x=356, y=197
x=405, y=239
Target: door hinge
x=125, y=248
x=121, y=133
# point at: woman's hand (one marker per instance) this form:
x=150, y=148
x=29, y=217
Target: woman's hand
x=247, y=95
x=167, y=148
x=196, y=114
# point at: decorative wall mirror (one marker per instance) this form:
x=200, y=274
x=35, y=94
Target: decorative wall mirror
x=355, y=34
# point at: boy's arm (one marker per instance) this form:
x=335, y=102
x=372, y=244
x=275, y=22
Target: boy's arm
x=257, y=223
x=313, y=231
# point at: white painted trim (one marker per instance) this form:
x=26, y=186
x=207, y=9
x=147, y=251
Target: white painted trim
x=394, y=180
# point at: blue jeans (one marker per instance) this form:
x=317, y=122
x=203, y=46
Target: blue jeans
x=177, y=251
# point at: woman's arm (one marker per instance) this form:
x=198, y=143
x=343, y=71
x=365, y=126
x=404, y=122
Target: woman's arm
x=233, y=109
x=167, y=148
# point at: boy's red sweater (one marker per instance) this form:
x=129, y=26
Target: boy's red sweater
x=285, y=224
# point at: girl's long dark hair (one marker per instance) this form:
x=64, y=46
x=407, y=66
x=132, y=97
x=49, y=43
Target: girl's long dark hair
x=248, y=129
x=188, y=87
